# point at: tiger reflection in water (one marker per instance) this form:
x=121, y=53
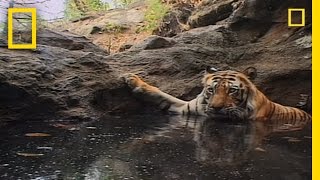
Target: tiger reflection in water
x=190, y=147
x=221, y=142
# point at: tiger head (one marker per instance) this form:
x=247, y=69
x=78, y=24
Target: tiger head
x=229, y=93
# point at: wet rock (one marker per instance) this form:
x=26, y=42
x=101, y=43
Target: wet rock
x=54, y=82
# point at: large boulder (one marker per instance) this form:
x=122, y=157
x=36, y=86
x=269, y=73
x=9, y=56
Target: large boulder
x=67, y=40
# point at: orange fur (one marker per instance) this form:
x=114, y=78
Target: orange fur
x=262, y=108
x=135, y=82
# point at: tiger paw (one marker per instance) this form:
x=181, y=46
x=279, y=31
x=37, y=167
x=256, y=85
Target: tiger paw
x=131, y=80
x=135, y=83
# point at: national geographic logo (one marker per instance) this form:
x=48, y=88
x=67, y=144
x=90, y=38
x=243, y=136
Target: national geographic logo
x=296, y=17
x=11, y=35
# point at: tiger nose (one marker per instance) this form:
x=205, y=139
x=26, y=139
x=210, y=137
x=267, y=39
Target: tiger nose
x=217, y=108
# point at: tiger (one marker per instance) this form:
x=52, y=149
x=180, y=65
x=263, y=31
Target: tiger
x=226, y=93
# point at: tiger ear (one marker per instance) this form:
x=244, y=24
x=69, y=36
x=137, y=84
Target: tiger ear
x=210, y=70
x=250, y=72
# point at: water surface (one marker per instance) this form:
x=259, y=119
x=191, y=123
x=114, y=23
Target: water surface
x=153, y=147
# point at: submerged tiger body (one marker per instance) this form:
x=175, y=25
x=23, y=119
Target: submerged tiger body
x=225, y=93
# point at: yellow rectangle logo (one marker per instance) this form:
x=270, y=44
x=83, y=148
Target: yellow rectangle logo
x=302, y=10
x=33, y=44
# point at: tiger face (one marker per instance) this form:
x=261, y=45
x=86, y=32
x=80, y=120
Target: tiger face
x=227, y=93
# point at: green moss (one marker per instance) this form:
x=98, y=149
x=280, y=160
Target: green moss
x=71, y=11
x=155, y=12
x=115, y=28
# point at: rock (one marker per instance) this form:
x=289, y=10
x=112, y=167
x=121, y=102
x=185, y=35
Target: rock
x=123, y=18
x=125, y=47
x=54, y=81
x=154, y=42
x=175, y=21
x=83, y=18
x=211, y=12
x=3, y=43
x=304, y=42
x=96, y=29
x=256, y=10
x=67, y=40
x=210, y=36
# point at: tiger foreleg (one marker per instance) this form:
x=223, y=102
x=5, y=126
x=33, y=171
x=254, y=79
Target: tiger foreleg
x=153, y=94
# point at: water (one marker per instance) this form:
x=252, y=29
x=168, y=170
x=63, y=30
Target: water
x=153, y=147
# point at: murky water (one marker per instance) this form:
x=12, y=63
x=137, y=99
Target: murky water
x=153, y=147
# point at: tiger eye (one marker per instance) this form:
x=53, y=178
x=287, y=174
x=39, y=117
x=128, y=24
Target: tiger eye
x=210, y=90
x=233, y=90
